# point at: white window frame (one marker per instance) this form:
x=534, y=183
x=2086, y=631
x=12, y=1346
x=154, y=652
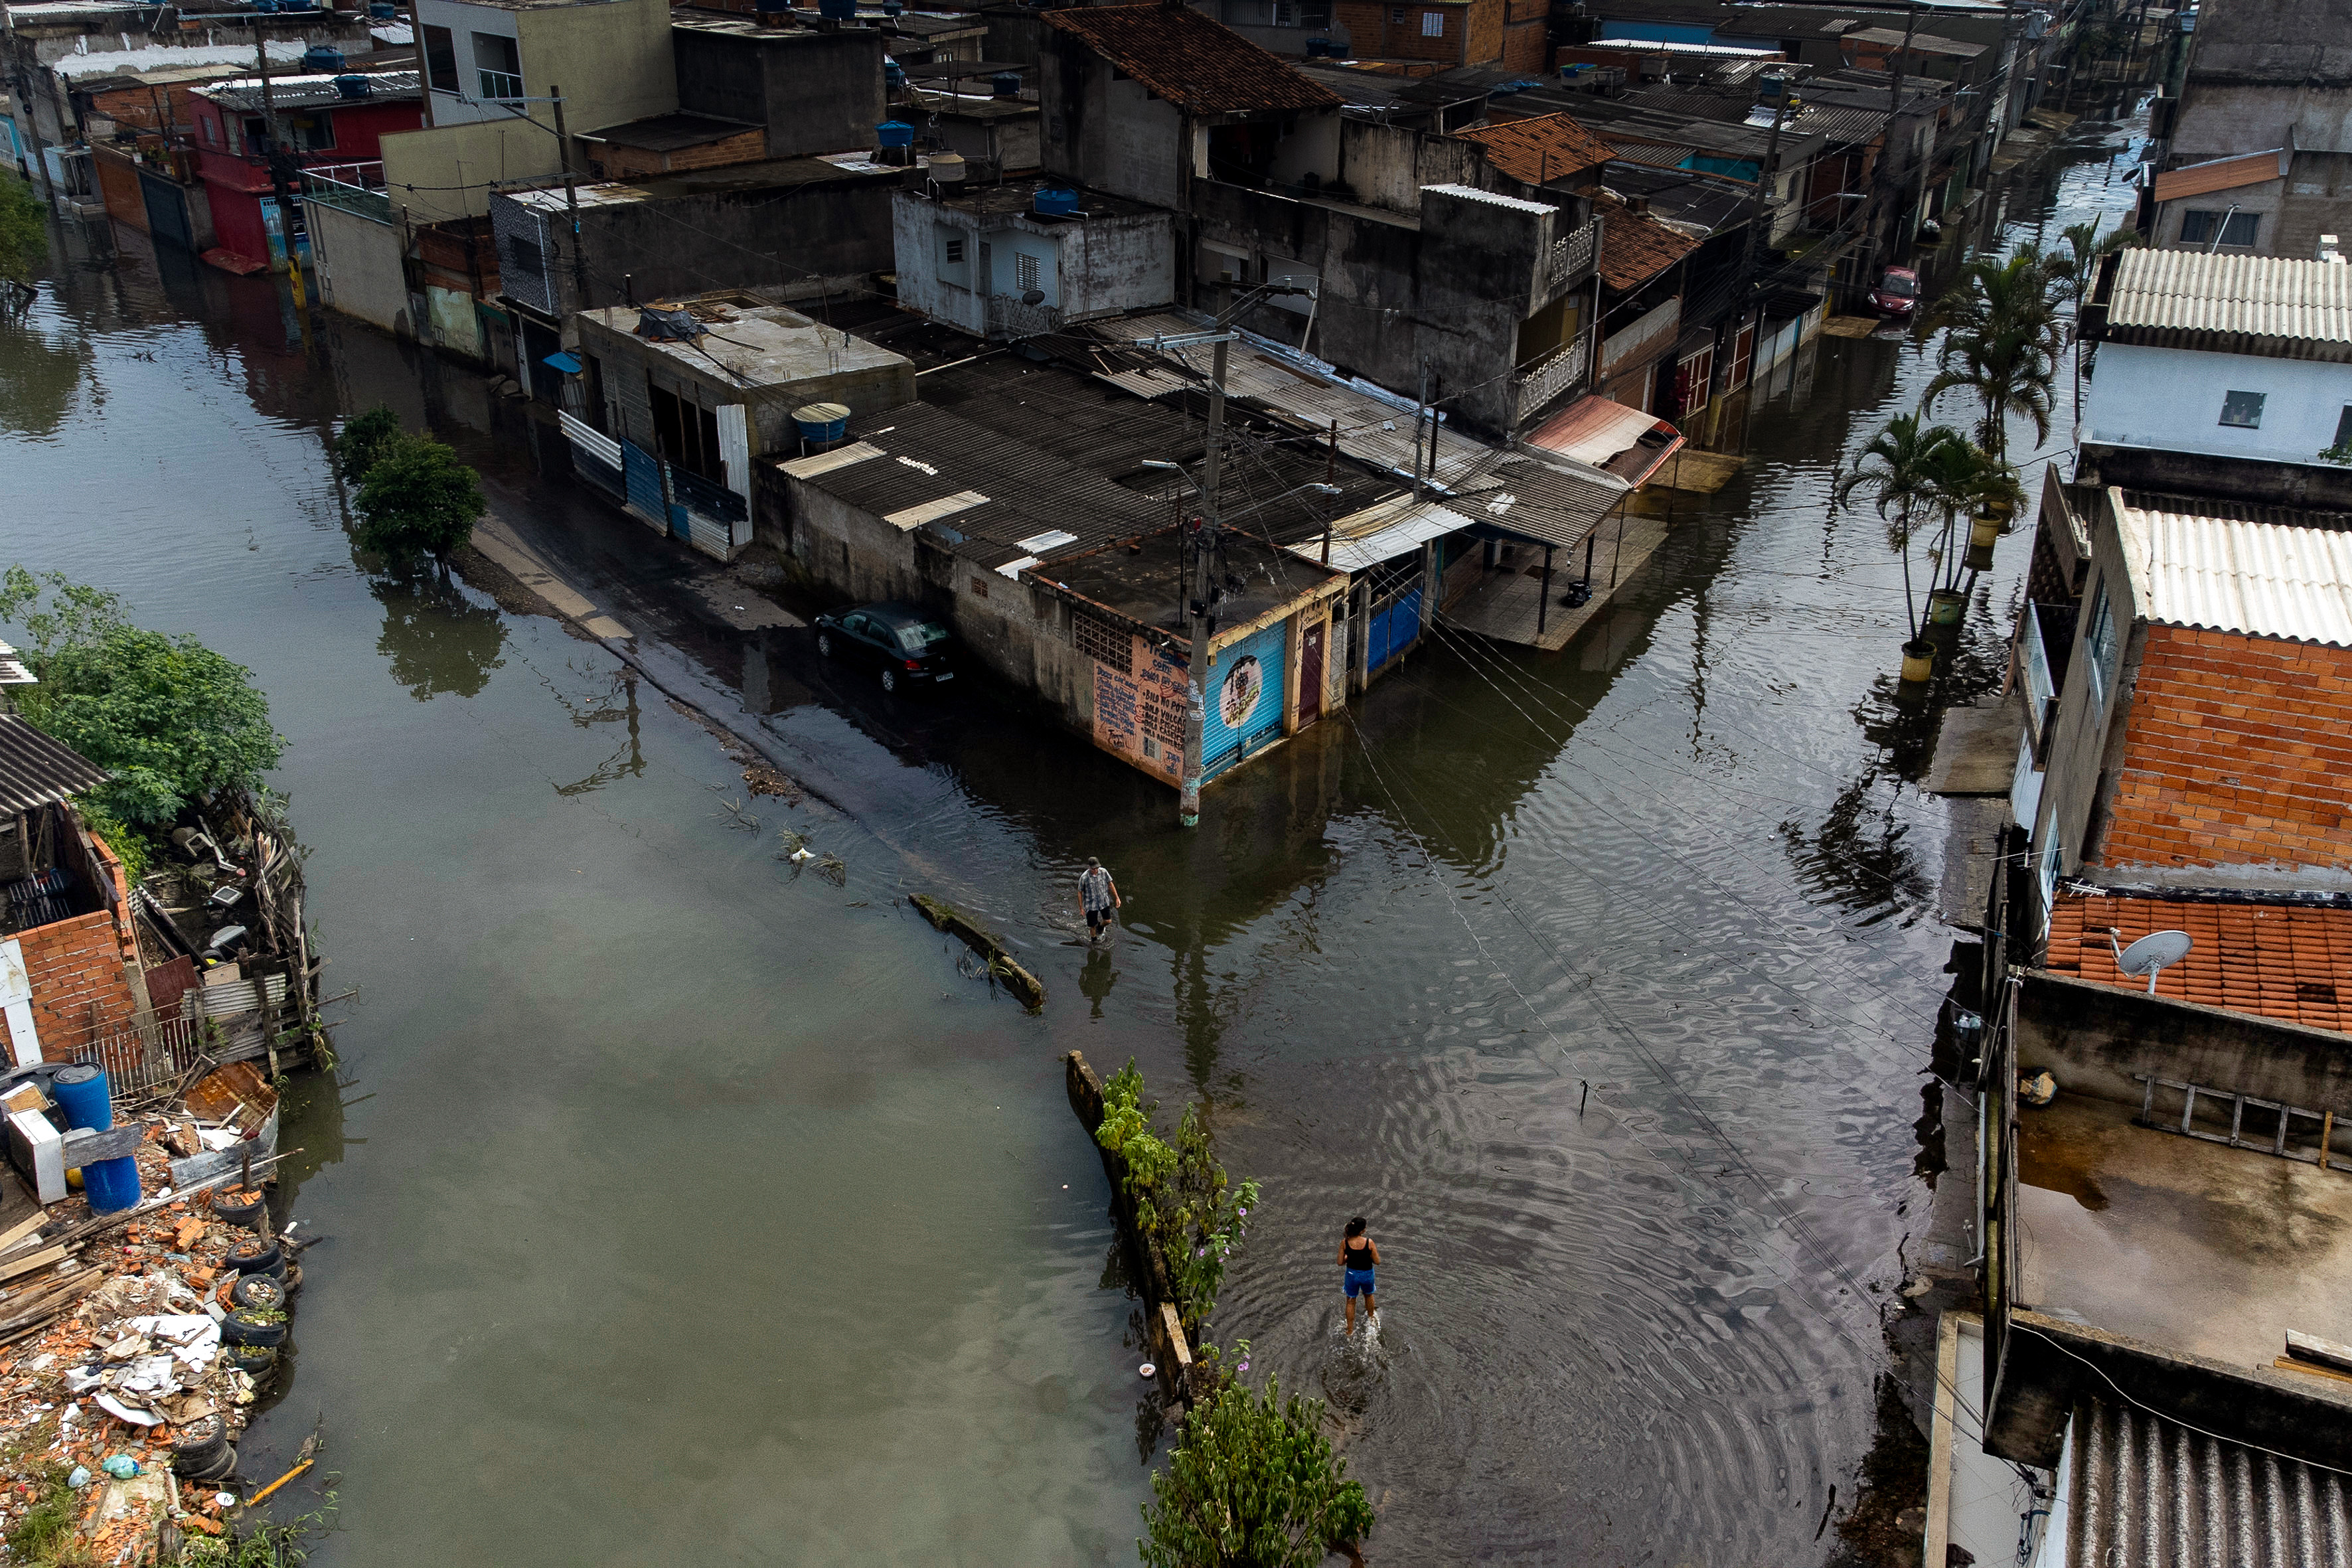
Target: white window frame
x=2234, y=397
x=2099, y=646
x=1433, y=24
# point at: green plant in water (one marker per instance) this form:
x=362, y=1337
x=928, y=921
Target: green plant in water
x=417, y=500
x=1253, y=1483
x=1184, y=1202
x=364, y=439
x=263, y=1546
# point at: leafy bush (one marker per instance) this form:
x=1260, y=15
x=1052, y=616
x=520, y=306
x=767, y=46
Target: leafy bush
x=171, y=719
x=1253, y=1483
x=364, y=439
x=24, y=230
x=417, y=500
x=1184, y=1202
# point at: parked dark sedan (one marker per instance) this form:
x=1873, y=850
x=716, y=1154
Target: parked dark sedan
x=905, y=644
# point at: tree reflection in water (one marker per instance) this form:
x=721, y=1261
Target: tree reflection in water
x=440, y=642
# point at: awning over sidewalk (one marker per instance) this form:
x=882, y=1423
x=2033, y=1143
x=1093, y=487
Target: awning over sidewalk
x=1621, y=441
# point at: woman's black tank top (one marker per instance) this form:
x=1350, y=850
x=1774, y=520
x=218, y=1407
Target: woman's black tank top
x=1355, y=1256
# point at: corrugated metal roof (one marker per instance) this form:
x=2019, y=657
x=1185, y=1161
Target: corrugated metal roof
x=2247, y=304
x=2221, y=175
x=1371, y=430
x=36, y=770
x=2149, y=1492
x=1382, y=533
x=2229, y=575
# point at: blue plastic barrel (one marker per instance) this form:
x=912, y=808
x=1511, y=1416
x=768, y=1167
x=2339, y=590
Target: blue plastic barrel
x=81, y=1094
x=111, y=1185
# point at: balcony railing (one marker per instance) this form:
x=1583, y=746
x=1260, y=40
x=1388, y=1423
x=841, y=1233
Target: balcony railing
x=1571, y=255
x=501, y=87
x=355, y=188
x=1550, y=379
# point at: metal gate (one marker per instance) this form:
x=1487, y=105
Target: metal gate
x=1395, y=625
x=641, y=473
x=167, y=211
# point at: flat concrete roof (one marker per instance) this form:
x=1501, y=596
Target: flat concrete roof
x=772, y=346
x=773, y=174
x=2188, y=1244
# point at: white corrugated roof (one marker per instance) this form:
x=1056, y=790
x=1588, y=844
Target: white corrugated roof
x=2265, y=579
x=2262, y=296
x=1382, y=533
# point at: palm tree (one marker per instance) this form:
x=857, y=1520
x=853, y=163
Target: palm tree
x=1996, y=295
x=1900, y=467
x=2008, y=369
x=2072, y=272
x=1966, y=480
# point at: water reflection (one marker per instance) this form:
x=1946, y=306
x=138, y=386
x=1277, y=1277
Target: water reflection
x=39, y=378
x=440, y=640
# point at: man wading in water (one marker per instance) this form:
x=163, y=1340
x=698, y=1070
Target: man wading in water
x=1359, y=1256
x=1099, y=895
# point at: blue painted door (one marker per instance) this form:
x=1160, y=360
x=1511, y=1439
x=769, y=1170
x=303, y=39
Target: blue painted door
x=1244, y=699
x=1395, y=625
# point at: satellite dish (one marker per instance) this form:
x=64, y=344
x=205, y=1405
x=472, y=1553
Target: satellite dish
x=2156, y=951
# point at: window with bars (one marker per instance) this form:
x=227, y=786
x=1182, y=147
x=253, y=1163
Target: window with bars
x=1026, y=272
x=1102, y=642
x=1433, y=24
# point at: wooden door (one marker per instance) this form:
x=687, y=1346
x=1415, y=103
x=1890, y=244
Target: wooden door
x=1310, y=675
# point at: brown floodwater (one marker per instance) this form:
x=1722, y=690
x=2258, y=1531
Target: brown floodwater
x=684, y=1207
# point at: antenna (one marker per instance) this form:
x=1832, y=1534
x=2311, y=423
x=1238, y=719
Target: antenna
x=2151, y=955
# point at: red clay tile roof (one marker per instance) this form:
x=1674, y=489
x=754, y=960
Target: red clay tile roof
x=1540, y=150
x=1636, y=247
x=2289, y=961
x=1190, y=59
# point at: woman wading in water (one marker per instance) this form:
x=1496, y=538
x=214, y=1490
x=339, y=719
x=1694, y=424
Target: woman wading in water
x=1358, y=1255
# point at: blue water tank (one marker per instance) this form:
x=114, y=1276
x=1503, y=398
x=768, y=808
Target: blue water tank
x=894, y=75
x=111, y=1185
x=319, y=58
x=837, y=10
x=382, y=10
x=822, y=422
x=266, y=5
x=295, y=4
x=1316, y=48
x=895, y=133
x=1057, y=203
x=1005, y=84
x=352, y=85
x=81, y=1094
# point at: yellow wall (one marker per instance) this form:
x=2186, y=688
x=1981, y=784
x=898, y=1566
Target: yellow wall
x=612, y=58
x=448, y=171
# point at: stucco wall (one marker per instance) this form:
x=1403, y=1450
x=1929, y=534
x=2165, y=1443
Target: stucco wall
x=358, y=262
x=611, y=57
x=815, y=92
x=447, y=171
x=2171, y=399
x=1112, y=135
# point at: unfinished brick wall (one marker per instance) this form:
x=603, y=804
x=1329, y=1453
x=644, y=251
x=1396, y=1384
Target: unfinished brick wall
x=79, y=990
x=2238, y=750
x=631, y=163
x=1372, y=36
x=1524, y=47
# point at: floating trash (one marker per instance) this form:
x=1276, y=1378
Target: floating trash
x=1147, y=1371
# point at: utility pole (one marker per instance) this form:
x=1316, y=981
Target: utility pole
x=571, y=205
x=1758, y=224
x=1205, y=557
x=1894, y=98
x=1331, y=476
x=1419, y=411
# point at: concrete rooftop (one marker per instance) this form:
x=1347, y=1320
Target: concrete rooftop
x=769, y=347
x=2188, y=1244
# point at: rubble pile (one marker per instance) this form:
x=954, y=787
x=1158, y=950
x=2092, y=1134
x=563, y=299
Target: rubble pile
x=130, y=1365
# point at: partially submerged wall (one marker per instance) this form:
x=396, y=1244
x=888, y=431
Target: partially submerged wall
x=2094, y=1037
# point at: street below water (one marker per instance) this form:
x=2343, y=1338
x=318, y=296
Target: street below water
x=687, y=1204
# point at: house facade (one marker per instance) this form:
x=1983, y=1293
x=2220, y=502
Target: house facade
x=1013, y=260
x=320, y=119
x=2221, y=374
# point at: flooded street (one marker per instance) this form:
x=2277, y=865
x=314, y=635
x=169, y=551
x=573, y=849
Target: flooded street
x=686, y=1206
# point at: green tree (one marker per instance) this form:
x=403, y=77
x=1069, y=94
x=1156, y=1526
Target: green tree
x=24, y=231
x=363, y=438
x=418, y=499
x=2072, y=273
x=1899, y=469
x=1184, y=1202
x=1253, y=1483
x=1963, y=480
x=2008, y=369
x=171, y=719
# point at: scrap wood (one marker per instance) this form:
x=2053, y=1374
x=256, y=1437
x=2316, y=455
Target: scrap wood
x=16, y=1235
x=30, y=1261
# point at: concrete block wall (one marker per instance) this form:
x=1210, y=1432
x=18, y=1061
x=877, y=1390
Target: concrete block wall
x=2235, y=752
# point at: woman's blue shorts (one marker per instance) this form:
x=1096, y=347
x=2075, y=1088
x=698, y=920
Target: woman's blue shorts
x=1360, y=1282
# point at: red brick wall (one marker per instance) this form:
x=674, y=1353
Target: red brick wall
x=2237, y=749
x=1525, y=44
x=1372, y=36
x=627, y=163
x=80, y=991
x=1485, y=44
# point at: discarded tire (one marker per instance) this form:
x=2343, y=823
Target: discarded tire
x=254, y=1326
x=253, y=1361
x=247, y=1214
x=258, y=1290
x=219, y=1466
x=198, y=1444
x=253, y=1255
